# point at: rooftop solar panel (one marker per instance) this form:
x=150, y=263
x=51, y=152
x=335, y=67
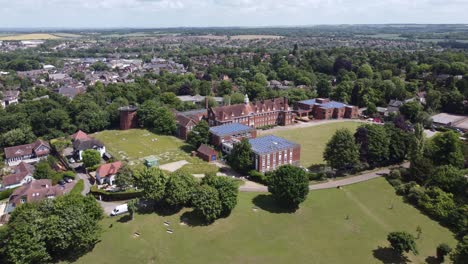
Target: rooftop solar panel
x=269, y=144
x=230, y=129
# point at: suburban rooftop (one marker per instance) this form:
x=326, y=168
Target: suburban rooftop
x=230, y=129
x=270, y=143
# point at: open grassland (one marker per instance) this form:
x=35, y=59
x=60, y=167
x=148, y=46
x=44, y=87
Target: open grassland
x=35, y=36
x=348, y=225
x=313, y=139
x=135, y=144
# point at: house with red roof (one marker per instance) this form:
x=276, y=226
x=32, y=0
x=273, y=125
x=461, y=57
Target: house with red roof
x=23, y=173
x=29, y=153
x=106, y=173
x=82, y=142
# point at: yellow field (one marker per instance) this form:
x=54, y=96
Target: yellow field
x=34, y=36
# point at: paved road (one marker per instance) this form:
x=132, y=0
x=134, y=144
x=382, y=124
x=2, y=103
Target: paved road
x=255, y=187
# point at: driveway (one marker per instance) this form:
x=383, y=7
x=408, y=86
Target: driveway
x=255, y=187
x=87, y=184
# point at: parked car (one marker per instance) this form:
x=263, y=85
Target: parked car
x=71, y=160
x=68, y=180
x=120, y=209
x=61, y=182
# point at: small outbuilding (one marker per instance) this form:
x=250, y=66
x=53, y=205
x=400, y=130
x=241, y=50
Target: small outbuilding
x=151, y=161
x=207, y=153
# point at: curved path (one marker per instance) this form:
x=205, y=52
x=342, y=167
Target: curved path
x=255, y=187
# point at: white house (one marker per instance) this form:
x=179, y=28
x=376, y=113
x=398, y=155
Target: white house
x=23, y=173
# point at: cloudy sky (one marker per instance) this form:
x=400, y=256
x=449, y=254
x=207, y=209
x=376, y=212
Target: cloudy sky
x=174, y=13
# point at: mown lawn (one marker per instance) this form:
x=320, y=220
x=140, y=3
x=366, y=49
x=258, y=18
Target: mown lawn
x=313, y=139
x=333, y=226
x=135, y=144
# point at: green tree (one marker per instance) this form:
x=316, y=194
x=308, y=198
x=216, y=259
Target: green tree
x=224, y=88
x=180, y=188
x=433, y=100
x=92, y=118
x=153, y=182
x=341, y=151
x=91, y=158
x=411, y=110
x=289, y=185
x=324, y=88
x=374, y=143
x=164, y=122
x=460, y=253
x=400, y=143
x=442, y=251
x=228, y=191
x=365, y=71
x=17, y=136
x=132, y=207
x=206, y=203
x=240, y=158
x=124, y=178
x=199, y=135
x=446, y=149
x=449, y=179
x=402, y=242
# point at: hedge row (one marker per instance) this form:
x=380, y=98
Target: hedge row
x=114, y=196
x=6, y=193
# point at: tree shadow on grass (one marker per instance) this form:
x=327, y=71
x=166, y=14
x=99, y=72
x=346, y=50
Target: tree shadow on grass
x=432, y=260
x=191, y=218
x=389, y=256
x=187, y=148
x=268, y=203
x=124, y=218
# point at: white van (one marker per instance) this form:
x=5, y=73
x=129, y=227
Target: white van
x=121, y=209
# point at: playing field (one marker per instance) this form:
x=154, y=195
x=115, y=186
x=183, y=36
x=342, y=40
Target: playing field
x=35, y=36
x=135, y=144
x=313, y=139
x=333, y=226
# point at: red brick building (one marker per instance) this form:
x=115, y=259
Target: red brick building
x=186, y=121
x=207, y=153
x=230, y=132
x=270, y=112
x=128, y=117
x=271, y=152
x=321, y=108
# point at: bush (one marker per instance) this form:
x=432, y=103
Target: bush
x=258, y=177
x=395, y=182
x=115, y=196
x=316, y=176
x=6, y=193
x=395, y=174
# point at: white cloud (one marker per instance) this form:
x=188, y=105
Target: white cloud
x=154, y=13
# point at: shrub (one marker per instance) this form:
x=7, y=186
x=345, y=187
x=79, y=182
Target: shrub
x=115, y=196
x=6, y=193
x=257, y=177
x=395, y=174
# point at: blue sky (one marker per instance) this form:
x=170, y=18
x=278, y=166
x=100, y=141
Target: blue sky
x=199, y=13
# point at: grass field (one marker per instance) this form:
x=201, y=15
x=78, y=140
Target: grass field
x=317, y=233
x=135, y=144
x=313, y=139
x=35, y=36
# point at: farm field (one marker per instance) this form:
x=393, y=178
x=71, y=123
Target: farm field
x=135, y=144
x=35, y=36
x=348, y=225
x=313, y=139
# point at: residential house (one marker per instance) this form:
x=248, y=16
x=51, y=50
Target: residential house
x=10, y=97
x=34, y=191
x=106, y=173
x=23, y=173
x=270, y=112
x=82, y=142
x=29, y=153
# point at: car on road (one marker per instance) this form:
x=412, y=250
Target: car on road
x=120, y=209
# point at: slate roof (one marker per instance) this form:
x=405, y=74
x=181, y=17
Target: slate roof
x=230, y=129
x=84, y=144
x=270, y=144
x=308, y=102
x=333, y=104
x=26, y=149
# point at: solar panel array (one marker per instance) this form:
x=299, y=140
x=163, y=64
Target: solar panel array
x=270, y=144
x=230, y=129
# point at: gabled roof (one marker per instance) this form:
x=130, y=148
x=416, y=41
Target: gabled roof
x=84, y=144
x=230, y=129
x=109, y=169
x=270, y=144
x=228, y=112
x=207, y=150
x=80, y=135
x=26, y=149
x=35, y=191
